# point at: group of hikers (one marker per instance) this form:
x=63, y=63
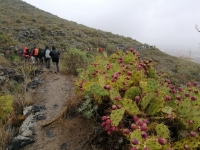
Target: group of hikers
x=38, y=55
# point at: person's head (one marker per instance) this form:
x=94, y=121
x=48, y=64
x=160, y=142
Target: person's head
x=46, y=47
x=53, y=48
x=25, y=47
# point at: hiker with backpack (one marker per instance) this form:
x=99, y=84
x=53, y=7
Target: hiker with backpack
x=26, y=54
x=32, y=57
x=47, y=57
x=55, y=58
x=35, y=54
x=41, y=56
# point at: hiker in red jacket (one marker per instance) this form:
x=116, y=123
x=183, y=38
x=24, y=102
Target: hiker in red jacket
x=27, y=55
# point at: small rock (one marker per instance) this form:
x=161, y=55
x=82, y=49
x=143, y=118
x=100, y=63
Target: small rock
x=63, y=146
x=49, y=133
x=33, y=84
x=55, y=105
x=26, y=128
x=27, y=110
x=19, y=142
x=36, y=79
x=38, y=108
x=41, y=117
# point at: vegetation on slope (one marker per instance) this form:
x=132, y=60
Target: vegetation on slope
x=22, y=24
x=138, y=107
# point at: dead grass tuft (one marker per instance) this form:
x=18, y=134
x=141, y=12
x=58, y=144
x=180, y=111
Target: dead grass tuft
x=22, y=101
x=73, y=104
x=5, y=136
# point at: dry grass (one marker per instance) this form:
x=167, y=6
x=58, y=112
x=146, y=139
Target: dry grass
x=22, y=101
x=4, y=62
x=73, y=103
x=5, y=136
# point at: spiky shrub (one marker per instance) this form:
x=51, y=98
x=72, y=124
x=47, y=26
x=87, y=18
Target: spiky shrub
x=75, y=60
x=135, y=100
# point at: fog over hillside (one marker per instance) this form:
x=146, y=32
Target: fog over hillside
x=193, y=53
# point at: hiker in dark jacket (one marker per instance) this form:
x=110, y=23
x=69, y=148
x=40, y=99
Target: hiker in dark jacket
x=55, y=58
x=41, y=56
x=47, y=56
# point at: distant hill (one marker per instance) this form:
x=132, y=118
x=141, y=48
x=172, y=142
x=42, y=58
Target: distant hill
x=23, y=24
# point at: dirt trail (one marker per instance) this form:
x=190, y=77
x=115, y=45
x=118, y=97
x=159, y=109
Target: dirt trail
x=67, y=134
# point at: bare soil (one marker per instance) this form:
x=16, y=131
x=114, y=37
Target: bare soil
x=69, y=133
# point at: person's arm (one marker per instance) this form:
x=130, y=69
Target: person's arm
x=50, y=53
x=44, y=53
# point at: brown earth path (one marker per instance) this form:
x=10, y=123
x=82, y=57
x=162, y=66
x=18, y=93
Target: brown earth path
x=65, y=134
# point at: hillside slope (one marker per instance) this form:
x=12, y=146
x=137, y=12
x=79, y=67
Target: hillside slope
x=28, y=25
x=23, y=24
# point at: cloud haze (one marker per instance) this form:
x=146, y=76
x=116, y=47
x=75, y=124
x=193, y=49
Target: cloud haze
x=167, y=24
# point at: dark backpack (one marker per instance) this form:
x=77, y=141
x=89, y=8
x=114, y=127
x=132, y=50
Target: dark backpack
x=41, y=53
x=27, y=52
x=54, y=54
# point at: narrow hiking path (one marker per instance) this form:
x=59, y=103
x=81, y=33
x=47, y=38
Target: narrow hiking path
x=64, y=134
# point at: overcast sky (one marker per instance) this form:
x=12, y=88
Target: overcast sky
x=167, y=24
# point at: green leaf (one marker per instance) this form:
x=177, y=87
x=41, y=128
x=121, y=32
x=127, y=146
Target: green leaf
x=98, y=90
x=168, y=110
x=162, y=130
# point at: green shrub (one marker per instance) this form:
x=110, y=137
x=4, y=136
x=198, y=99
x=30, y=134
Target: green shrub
x=18, y=21
x=87, y=108
x=75, y=60
x=6, y=103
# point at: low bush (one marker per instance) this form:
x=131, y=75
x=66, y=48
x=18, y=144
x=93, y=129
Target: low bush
x=75, y=60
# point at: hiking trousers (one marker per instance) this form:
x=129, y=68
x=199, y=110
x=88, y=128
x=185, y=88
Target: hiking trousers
x=47, y=61
x=33, y=59
x=56, y=64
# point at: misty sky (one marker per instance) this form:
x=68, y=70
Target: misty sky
x=167, y=24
